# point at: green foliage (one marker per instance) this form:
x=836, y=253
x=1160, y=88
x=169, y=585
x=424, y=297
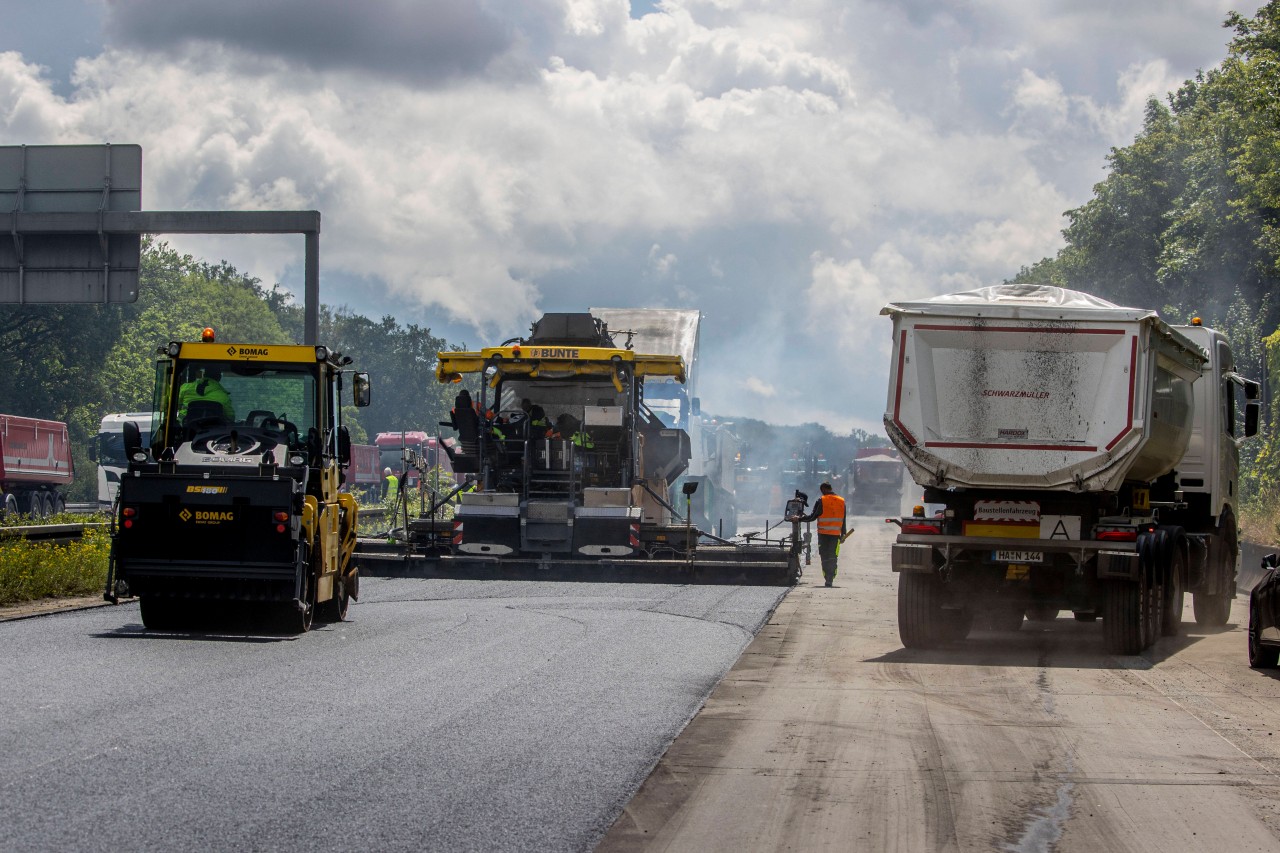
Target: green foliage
x=32, y=570
x=1188, y=217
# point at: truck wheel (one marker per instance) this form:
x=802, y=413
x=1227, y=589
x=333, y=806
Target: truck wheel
x=1176, y=561
x=161, y=614
x=46, y=506
x=920, y=610
x=1042, y=613
x=1152, y=570
x=1260, y=656
x=1212, y=611
x=10, y=506
x=1123, y=622
x=956, y=625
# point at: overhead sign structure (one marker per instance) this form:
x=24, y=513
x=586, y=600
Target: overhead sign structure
x=71, y=226
x=90, y=180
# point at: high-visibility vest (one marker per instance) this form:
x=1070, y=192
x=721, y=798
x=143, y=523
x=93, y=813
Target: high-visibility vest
x=831, y=522
x=583, y=440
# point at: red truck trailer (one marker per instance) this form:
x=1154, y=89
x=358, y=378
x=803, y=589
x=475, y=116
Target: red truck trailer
x=35, y=464
x=364, y=474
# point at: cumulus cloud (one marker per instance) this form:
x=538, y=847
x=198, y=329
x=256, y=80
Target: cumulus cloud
x=786, y=167
x=418, y=39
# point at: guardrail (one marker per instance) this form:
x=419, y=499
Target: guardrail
x=53, y=534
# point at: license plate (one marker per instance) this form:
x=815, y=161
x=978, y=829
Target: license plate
x=1019, y=556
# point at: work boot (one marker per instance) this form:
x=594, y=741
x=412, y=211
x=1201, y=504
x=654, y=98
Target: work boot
x=829, y=582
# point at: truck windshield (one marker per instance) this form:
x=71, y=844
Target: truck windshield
x=252, y=395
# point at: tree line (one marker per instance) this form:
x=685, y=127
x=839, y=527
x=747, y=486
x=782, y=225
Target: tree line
x=1187, y=218
x=76, y=363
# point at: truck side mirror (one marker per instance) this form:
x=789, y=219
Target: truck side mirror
x=361, y=389
x=1251, y=414
x=132, y=438
x=1270, y=561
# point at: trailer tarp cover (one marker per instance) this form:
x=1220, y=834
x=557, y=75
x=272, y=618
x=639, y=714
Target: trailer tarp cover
x=661, y=331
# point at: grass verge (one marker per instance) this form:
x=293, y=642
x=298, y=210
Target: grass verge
x=30, y=571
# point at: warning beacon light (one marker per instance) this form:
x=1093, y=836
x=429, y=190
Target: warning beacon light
x=207, y=335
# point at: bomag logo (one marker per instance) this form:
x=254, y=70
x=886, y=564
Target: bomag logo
x=207, y=516
x=248, y=352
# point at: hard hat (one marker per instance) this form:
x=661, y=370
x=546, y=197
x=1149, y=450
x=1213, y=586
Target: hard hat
x=386, y=472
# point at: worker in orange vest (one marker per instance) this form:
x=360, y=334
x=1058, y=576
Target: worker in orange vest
x=828, y=511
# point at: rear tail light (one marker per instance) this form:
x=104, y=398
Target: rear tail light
x=922, y=525
x=281, y=519
x=127, y=516
x=1117, y=534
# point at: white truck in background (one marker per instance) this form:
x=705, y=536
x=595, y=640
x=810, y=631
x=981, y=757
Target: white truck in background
x=108, y=452
x=1085, y=457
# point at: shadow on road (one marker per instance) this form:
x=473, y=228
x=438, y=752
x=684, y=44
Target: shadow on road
x=1060, y=643
x=136, y=631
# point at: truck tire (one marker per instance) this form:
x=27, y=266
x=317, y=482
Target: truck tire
x=1042, y=613
x=10, y=505
x=1152, y=568
x=920, y=616
x=46, y=506
x=1260, y=656
x=956, y=625
x=1123, y=622
x=1176, y=562
x=1212, y=611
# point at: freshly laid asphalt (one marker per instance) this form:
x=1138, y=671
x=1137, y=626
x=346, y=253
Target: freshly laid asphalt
x=444, y=715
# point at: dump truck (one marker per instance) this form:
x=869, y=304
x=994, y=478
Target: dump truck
x=874, y=481
x=568, y=471
x=35, y=466
x=1075, y=455
x=237, y=499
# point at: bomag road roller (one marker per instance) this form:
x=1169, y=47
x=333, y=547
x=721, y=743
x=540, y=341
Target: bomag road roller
x=233, y=495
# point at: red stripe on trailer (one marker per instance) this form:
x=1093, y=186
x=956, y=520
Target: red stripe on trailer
x=897, y=398
x=457, y=533
x=1046, y=330
x=635, y=536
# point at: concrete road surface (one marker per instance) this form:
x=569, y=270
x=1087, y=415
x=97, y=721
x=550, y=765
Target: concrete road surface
x=828, y=735
x=444, y=715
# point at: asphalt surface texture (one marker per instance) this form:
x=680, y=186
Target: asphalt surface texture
x=443, y=715
x=829, y=735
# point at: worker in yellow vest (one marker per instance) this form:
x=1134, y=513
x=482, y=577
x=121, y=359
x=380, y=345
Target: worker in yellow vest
x=829, y=512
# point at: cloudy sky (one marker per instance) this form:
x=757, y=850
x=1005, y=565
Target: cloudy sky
x=785, y=166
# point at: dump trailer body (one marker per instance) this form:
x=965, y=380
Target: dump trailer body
x=1052, y=433
x=35, y=464
x=1056, y=391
